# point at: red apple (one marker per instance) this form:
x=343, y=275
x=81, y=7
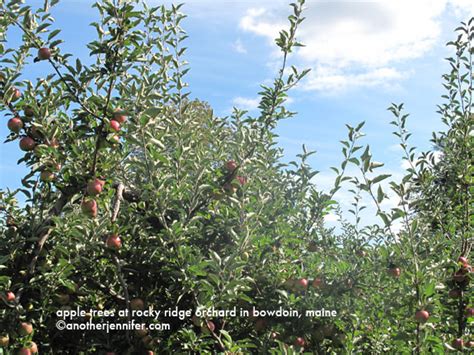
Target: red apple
x=470, y=312
x=35, y=132
x=299, y=341
x=231, y=165
x=114, y=139
x=463, y=260
x=458, y=343
x=422, y=316
x=89, y=207
x=459, y=276
x=119, y=116
x=15, y=94
x=196, y=320
x=15, y=124
x=113, y=242
x=317, y=282
x=28, y=111
x=230, y=188
x=115, y=125
x=25, y=328
x=242, y=180
x=469, y=344
x=44, y=53
x=46, y=176
x=33, y=347
x=27, y=144
x=137, y=304
x=454, y=293
x=208, y=327
x=9, y=296
x=95, y=187
x=394, y=271
x=24, y=351
x=301, y=284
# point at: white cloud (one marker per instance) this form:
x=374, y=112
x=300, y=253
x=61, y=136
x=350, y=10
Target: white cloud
x=246, y=103
x=359, y=43
x=239, y=47
x=333, y=80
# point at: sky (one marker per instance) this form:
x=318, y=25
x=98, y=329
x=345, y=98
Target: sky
x=363, y=56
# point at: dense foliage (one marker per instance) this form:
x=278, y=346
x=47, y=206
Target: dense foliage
x=139, y=198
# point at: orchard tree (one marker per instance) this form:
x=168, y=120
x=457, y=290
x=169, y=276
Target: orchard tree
x=140, y=198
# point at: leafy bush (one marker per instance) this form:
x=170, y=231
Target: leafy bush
x=139, y=197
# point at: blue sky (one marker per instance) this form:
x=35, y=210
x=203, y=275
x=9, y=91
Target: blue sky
x=363, y=55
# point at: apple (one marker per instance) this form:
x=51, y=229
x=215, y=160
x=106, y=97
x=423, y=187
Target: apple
x=53, y=143
x=394, y=271
x=454, y=293
x=15, y=124
x=89, y=207
x=317, y=282
x=44, y=53
x=242, y=180
x=361, y=253
x=469, y=344
x=115, y=125
x=95, y=187
x=15, y=94
x=328, y=330
x=196, y=320
x=33, y=347
x=260, y=324
x=230, y=188
x=119, y=116
x=114, y=139
x=299, y=341
x=463, y=260
x=27, y=144
x=141, y=332
x=24, y=351
x=63, y=298
x=4, y=340
x=313, y=247
x=422, y=316
x=231, y=165
x=470, y=312
x=301, y=284
x=46, y=176
x=9, y=296
x=28, y=111
x=25, y=328
x=147, y=341
x=209, y=327
x=137, y=304
x=458, y=343
x=113, y=242
x=459, y=276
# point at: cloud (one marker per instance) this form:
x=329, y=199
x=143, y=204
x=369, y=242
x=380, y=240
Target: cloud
x=239, y=47
x=358, y=43
x=246, y=103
